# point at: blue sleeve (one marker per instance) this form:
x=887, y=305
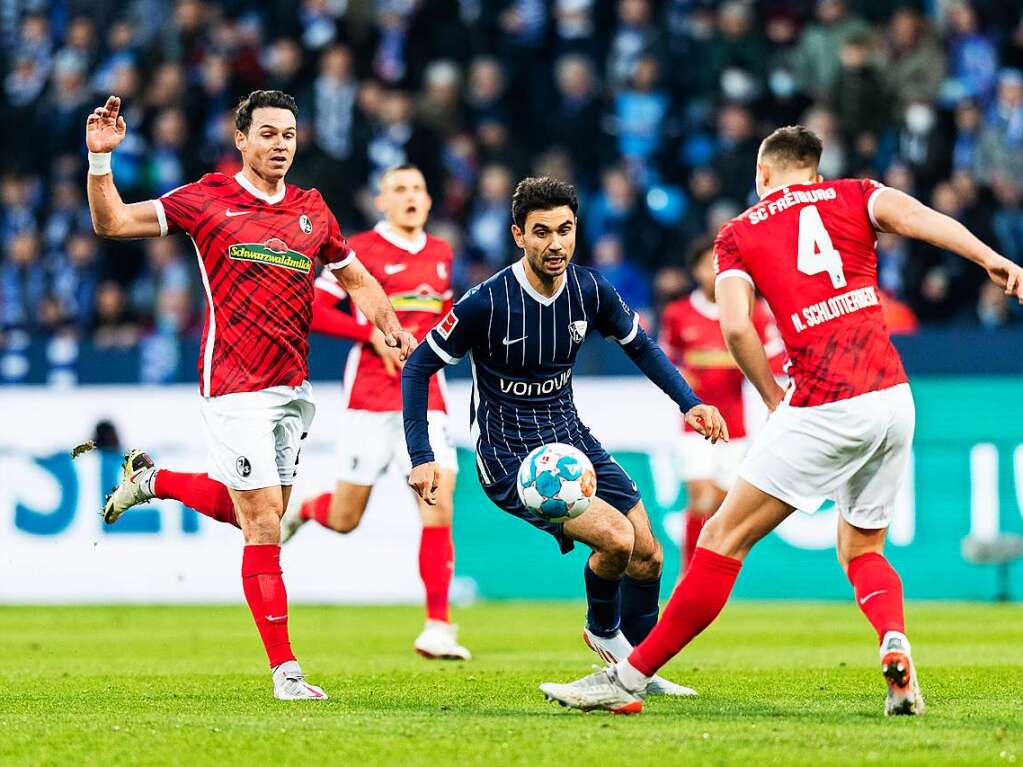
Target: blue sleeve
x=415, y=397
x=456, y=333
x=616, y=320
x=445, y=344
x=614, y=317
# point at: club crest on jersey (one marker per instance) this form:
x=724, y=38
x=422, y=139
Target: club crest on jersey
x=447, y=324
x=577, y=330
x=305, y=224
x=273, y=252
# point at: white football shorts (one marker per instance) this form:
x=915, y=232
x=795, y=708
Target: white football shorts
x=254, y=437
x=370, y=441
x=699, y=459
x=853, y=451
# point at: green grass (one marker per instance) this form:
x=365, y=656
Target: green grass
x=780, y=684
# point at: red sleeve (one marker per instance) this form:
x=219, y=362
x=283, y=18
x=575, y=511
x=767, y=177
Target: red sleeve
x=179, y=209
x=728, y=260
x=770, y=337
x=335, y=251
x=332, y=321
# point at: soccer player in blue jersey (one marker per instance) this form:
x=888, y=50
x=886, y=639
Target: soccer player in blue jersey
x=522, y=329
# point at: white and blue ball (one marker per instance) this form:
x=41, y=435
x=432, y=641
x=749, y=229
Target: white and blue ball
x=557, y=482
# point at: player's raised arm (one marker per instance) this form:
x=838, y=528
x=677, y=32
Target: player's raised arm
x=374, y=303
x=899, y=213
x=104, y=130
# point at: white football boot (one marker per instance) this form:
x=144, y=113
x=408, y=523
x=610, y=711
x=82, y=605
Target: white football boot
x=600, y=690
x=904, y=697
x=291, y=521
x=290, y=684
x=616, y=648
x=439, y=640
x=135, y=487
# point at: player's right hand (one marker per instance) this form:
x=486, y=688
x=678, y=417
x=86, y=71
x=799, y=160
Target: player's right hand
x=707, y=421
x=403, y=341
x=424, y=479
x=105, y=128
x=1008, y=276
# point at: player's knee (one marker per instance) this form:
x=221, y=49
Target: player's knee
x=262, y=526
x=345, y=521
x=725, y=540
x=647, y=565
x=618, y=545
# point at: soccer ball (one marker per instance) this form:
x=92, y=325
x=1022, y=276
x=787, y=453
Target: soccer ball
x=557, y=482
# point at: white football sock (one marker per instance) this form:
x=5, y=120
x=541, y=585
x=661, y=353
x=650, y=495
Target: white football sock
x=632, y=679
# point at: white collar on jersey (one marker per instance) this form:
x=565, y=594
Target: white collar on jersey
x=388, y=232
x=249, y=187
x=703, y=305
x=520, y=274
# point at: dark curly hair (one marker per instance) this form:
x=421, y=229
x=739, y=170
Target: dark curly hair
x=255, y=100
x=541, y=193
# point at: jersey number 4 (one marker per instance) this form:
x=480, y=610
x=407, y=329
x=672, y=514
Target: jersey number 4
x=816, y=253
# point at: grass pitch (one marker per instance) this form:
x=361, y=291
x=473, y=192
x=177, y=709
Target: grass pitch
x=780, y=684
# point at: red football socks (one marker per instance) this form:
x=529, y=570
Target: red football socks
x=878, y=590
x=268, y=600
x=694, y=524
x=436, y=566
x=197, y=491
x=694, y=605
x=318, y=509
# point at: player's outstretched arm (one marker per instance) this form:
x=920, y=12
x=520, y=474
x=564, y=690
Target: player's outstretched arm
x=374, y=303
x=104, y=130
x=415, y=395
x=899, y=213
x=735, y=300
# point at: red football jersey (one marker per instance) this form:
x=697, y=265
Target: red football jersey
x=692, y=338
x=809, y=249
x=256, y=255
x=416, y=275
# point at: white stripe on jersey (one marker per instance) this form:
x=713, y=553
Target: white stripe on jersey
x=490, y=324
x=539, y=325
x=554, y=326
x=522, y=298
x=596, y=290
x=507, y=330
x=475, y=431
x=211, y=335
x=579, y=289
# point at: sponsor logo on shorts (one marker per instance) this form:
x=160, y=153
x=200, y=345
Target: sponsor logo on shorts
x=242, y=466
x=273, y=252
x=305, y=224
x=446, y=325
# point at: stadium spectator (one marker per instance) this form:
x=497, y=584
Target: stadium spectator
x=1001, y=142
x=912, y=59
x=815, y=60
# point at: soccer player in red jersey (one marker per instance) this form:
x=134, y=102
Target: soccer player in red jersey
x=257, y=240
x=691, y=337
x=844, y=427
x=414, y=269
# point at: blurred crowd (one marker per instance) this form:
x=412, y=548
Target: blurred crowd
x=654, y=109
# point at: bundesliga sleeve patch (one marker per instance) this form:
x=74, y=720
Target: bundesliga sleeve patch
x=447, y=324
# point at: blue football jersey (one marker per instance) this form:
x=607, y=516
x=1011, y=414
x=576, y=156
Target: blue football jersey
x=522, y=346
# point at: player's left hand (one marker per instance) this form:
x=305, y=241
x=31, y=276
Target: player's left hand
x=424, y=479
x=706, y=420
x=403, y=341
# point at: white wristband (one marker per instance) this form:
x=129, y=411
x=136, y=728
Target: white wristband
x=99, y=163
